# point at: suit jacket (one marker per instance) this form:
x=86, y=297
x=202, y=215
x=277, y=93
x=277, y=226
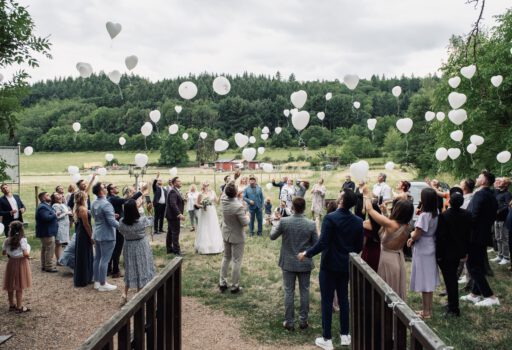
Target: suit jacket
x=105, y=223
x=299, y=234
x=348, y=184
x=46, y=221
x=254, y=194
x=118, y=202
x=174, y=205
x=483, y=208
x=233, y=220
x=453, y=234
x=342, y=234
x=157, y=193
x=5, y=211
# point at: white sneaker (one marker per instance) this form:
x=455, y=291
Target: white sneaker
x=496, y=259
x=346, y=340
x=469, y=297
x=488, y=302
x=96, y=285
x=107, y=287
x=490, y=250
x=463, y=280
x=324, y=344
x=504, y=262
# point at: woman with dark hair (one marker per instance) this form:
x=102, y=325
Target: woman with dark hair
x=84, y=258
x=424, y=275
x=371, y=245
x=393, y=235
x=138, y=258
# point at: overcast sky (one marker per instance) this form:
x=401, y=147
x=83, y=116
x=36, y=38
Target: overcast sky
x=315, y=39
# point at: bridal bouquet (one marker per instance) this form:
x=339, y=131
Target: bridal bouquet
x=206, y=202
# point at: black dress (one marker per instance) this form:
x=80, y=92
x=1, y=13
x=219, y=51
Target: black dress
x=358, y=210
x=83, y=256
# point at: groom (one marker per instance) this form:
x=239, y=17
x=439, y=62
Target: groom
x=174, y=214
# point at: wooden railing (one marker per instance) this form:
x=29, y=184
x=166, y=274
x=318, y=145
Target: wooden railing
x=151, y=320
x=380, y=319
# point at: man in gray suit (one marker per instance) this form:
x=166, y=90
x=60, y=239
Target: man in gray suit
x=299, y=234
x=233, y=222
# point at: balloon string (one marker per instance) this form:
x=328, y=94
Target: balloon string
x=501, y=173
x=498, y=93
x=145, y=144
x=406, y=150
x=398, y=105
x=120, y=91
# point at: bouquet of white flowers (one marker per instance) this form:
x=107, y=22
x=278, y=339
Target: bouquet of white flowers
x=205, y=203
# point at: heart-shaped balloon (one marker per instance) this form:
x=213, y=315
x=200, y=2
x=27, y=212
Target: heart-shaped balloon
x=389, y=166
x=429, y=116
x=300, y=120
x=187, y=90
x=102, y=171
x=113, y=29
x=75, y=178
x=265, y=130
x=456, y=99
x=76, y=126
x=173, y=171
x=404, y=125
x=441, y=154
x=468, y=71
x=184, y=136
x=264, y=137
x=122, y=141
x=249, y=153
x=178, y=109
x=131, y=62
x=496, y=80
x=328, y=96
x=440, y=116
x=457, y=135
x=503, y=157
x=85, y=69
x=252, y=139
x=114, y=76
x=286, y=112
x=471, y=148
x=220, y=145
x=72, y=170
x=221, y=85
x=278, y=130
x=454, y=82
x=476, y=139
x=299, y=98
x=141, y=160
x=396, y=91
x=146, y=129
x=109, y=157
x=261, y=150
x=356, y=104
x=203, y=135
x=320, y=115
x=267, y=167
x=173, y=129
x=359, y=170
x=372, y=122
x=2, y=78
x=458, y=116
x=268, y=186
x=454, y=153
x=294, y=111
x=28, y=151
x=154, y=116
x=351, y=81
x=241, y=140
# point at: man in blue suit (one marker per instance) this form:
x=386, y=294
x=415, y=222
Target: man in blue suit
x=46, y=230
x=11, y=207
x=253, y=196
x=342, y=234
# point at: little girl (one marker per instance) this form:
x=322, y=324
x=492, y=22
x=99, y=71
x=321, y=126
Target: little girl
x=268, y=211
x=17, y=272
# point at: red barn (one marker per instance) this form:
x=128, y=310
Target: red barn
x=224, y=165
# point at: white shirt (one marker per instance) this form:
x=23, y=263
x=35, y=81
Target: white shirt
x=14, y=206
x=162, y=196
x=382, y=189
x=467, y=199
x=191, y=200
x=18, y=252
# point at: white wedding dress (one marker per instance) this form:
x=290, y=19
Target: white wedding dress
x=208, y=234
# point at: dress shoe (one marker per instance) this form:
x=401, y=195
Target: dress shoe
x=117, y=275
x=450, y=314
x=236, y=290
x=223, y=288
x=288, y=326
x=53, y=270
x=303, y=325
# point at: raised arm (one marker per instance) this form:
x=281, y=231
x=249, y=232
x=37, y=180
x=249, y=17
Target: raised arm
x=89, y=185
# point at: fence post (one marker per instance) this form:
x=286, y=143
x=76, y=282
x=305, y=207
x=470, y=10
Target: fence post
x=36, y=190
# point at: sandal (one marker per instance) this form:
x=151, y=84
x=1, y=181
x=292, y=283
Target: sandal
x=422, y=315
x=22, y=310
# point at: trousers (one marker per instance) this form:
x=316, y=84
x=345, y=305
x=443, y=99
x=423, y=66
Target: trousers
x=289, y=278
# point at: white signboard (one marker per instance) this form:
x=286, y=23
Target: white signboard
x=11, y=156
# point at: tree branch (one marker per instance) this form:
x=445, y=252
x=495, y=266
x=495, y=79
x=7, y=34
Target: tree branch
x=472, y=37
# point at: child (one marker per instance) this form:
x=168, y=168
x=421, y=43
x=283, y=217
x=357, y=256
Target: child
x=268, y=212
x=17, y=272
x=281, y=212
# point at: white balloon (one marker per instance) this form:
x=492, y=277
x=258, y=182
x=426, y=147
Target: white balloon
x=146, y=129
x=299, y=98
x=85, y=69
x=173, y=129
x=141, y=160
x=372, y=122
x=440, y=116
x=113, y=29
x=457, y=135
x=184, y=136
x=278, y=130
x=28, y=151
x=221, y=85
x=76, y=126
x=2, y=227
x=268, y=186
x=429, y=116
x=187, y=90
x=441, y=154
x=1, y=79
x=265, y=130
x=454, y=82
x=286, y=112
x=220, y=145
x=359, y=170
x=300, y=120
x=173, y=171
x=72, y=170
x=252, y=139
x=264, y=137
x=389, y=166
x=456, y=99
x=261, y=150
x=396, y=91
x=471, y=148
x=203, y=135
x=468, y=71
x=458, y=116
x=154, y=116
x=356, y=104
x=114, y=76
x=178, y=109
x=294, y=111
x=454, y=153
x=503, y=157
x=496, y=80
x=267, y=167
x=320, y=115
x=122, y=141
x=241, y=140
x=102, y=171
x=75, y=177
x=404, y=125
x=328, y=96
x=131, y=62
x=109, y=157
x=476, y=139
x=249, y=153
x=351, y=81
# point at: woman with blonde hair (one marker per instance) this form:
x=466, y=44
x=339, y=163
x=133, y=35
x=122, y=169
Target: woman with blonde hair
x=209, y=236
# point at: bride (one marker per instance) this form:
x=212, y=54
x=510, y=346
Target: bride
x=208, y=235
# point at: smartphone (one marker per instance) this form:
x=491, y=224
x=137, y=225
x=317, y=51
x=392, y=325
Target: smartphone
x=148, y=199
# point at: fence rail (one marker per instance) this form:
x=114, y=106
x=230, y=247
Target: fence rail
x=151, y=320
x=380, y=318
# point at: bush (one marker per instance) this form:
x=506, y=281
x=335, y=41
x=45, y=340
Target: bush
x=173, y=151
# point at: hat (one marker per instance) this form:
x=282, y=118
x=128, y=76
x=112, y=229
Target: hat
x=252, y=177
